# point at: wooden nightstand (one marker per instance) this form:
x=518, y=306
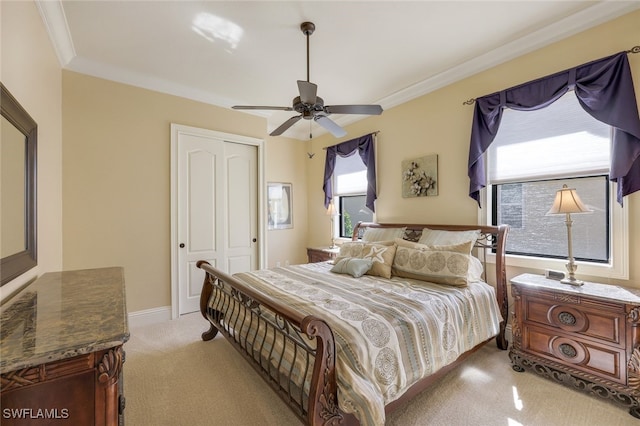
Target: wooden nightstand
x=584, y=337
x=321, y=254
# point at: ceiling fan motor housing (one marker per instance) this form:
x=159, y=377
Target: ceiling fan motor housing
x=307, y=110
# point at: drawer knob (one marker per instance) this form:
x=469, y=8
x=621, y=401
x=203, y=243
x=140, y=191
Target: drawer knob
x=567, y=318
x=568, y=350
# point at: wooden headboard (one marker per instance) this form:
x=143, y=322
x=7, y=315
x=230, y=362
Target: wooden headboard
x=492, y=238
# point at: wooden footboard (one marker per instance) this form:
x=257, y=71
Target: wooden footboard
x=296, y=354
x=243, y=316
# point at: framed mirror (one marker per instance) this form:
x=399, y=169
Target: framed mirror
x=18, y=143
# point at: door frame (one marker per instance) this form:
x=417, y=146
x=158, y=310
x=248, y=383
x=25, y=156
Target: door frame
x=176, y=131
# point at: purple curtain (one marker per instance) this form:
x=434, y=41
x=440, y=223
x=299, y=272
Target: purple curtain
x=604, y=89
x=364, y=146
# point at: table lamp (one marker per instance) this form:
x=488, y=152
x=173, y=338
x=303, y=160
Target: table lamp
x=567, y=202
x=331, y=211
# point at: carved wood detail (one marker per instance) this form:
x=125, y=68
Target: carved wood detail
x=566, y=298
x=45, y=372
x=634, y=315
x=110, y=366
x=323, y=400
x=576, y=379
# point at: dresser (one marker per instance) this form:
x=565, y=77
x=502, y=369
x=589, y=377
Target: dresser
x=321, y=254
x=61, y=350
x=585, y=337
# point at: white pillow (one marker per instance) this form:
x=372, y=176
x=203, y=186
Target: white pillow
x=475, y=270
x=437, y=237
x=382, y=234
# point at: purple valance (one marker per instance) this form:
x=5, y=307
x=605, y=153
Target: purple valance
x=604, y=89
x=364, y=146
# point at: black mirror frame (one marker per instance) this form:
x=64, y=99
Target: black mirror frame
x=17, y=264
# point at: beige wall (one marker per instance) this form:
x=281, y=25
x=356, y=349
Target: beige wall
x=439, y=123
x=30, y=70
x=116, y=180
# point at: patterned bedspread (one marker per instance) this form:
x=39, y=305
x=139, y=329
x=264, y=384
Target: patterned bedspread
x=389, y=333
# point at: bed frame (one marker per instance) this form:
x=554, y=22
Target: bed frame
x=227, y=303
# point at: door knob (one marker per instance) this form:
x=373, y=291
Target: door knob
x=254, y=240
x=181, y=245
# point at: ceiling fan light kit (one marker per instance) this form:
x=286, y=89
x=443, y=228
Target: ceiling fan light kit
x=310, y=106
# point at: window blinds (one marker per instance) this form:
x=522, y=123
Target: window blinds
x=557, y=141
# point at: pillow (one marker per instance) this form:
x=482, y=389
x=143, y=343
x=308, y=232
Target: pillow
x=352, y=266
x=438, y=264
x=382, y=234
x=475, y=270
x=437, y=237
x=381, y=254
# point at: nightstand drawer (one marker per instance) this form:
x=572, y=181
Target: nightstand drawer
x=603, y=325
x=581, y=354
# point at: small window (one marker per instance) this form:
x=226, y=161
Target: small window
x=350, y=183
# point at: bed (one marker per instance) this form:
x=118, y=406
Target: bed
x=347, y=342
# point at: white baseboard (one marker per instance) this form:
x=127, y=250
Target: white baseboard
x=149, y=316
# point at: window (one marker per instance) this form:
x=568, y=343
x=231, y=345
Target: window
x=350, y=183
x=533, y=155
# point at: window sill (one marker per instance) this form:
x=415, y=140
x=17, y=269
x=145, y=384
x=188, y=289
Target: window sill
x=600, y=270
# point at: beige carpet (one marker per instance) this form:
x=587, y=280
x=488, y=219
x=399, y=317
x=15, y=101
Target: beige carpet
x=172, y=377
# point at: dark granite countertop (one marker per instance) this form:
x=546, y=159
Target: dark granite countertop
x=61, y=315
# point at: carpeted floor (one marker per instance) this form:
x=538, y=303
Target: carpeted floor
x=172, y=377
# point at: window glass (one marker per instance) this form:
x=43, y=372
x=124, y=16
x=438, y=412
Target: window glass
x=524, y=206
x=352, y=210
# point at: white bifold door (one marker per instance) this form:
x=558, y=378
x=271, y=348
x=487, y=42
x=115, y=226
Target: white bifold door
x=217, y=207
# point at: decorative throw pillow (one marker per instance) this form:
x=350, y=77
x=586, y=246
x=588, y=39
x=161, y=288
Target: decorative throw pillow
x=381, y=253
x=437, y=237
x=438, y=264
x=352, y=266
x=382, y=234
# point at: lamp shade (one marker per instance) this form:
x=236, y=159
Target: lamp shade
x=568, y=201
x=331, y=210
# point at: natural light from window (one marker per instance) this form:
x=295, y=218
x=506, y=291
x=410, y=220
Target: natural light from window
x=215, y=28
x=554, y=155
x=351, y=183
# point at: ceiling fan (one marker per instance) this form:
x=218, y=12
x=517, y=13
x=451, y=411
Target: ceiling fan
x=310, y=106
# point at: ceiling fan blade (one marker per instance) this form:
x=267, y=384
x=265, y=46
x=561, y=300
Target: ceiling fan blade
x=275, y=108
x=330, y=125
x=308, y=92
x=354, y=109
x=284, y=126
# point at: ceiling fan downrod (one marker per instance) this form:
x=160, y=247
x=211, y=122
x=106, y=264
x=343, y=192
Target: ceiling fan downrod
x=307, y=29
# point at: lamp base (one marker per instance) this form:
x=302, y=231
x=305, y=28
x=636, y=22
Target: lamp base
x=572, y=281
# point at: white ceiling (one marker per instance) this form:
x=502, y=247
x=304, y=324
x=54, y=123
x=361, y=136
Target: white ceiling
x=383, y=52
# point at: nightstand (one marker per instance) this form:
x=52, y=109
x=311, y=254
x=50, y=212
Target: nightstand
x=585, y=337
x=321, y=254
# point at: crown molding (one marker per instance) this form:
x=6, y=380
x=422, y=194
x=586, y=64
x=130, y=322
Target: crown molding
x=55, y=21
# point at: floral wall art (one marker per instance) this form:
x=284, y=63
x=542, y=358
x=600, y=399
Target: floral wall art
x=420, y=176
